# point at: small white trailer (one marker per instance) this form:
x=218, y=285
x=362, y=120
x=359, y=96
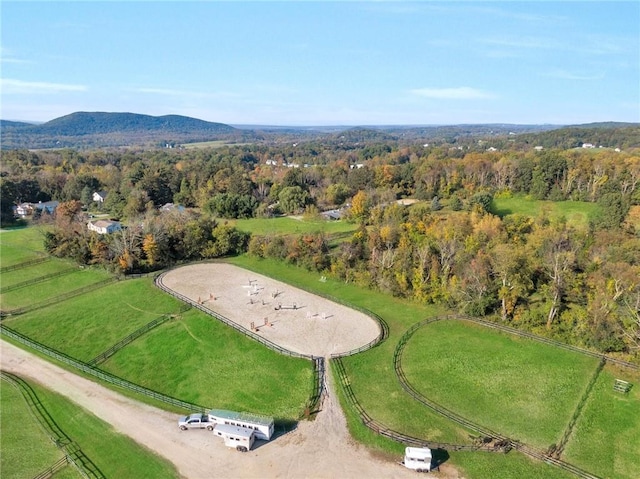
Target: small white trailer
x=261, y=425
x=417, y=458
x=239, y=438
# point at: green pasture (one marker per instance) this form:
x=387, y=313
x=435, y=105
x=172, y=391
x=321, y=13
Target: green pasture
x=85, y=326
x=26, y=449
x=27, y=239
x=51, y=288
x=606, y=438
x=521, y=388
x=114, y=454
x=199, y=359
x=373, y=380
x=577, y=213
x=285, y=225
x=36, y=271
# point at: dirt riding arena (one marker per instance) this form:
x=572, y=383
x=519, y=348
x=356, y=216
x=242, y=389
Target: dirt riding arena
x=291, y=318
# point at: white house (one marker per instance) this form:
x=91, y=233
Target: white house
x=104, y=227
x=99, y=196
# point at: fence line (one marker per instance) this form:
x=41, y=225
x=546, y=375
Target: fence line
x=489, y=435
x=39, y=279
x=100, y=358
x=24, y=264
x=51, y=470
x=59, y=298
x=93, y=371
x=559, y=449
x=73, y=454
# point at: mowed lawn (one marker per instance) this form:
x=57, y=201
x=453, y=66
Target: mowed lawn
x=198, y=359
x=84, y=326
x=606, y=438
x=26, y=449
x=521, y=388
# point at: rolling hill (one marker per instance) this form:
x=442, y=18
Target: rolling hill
x=100, y=129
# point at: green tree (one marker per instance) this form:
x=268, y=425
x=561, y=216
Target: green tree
x=293, y=199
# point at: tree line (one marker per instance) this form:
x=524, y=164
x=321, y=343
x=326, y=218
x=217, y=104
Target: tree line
x=577, y=284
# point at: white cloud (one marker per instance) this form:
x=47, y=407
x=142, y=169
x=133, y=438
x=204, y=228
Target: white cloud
x=567, y=75
x=460, y=93
x=10, y=86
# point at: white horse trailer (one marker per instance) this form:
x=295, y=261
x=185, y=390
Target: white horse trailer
x=240, y=438
x=417, y=458
x=261, y=425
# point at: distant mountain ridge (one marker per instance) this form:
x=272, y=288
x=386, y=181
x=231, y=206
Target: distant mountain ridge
x=88, y=123
x=96, y=129
x=103, y=129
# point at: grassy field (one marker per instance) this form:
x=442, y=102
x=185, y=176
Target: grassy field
x=215, y=366
x=373, y=380
x=26, y=449
x=114, y=454
x=84, y=326
x=577, y=213
x=606, y=439
x=50, y=288
x=287, y=225
x=528, y=391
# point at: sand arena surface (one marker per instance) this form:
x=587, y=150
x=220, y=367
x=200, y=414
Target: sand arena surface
x=295, y=320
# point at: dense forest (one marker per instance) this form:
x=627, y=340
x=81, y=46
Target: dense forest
x=573, y=282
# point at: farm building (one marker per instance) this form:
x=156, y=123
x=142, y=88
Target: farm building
x=261, y=425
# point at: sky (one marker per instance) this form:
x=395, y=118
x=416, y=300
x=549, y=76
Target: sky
x=312, y=63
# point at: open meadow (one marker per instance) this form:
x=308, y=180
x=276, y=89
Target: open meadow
x=577, y=213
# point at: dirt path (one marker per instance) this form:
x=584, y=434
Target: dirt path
x=318, y=449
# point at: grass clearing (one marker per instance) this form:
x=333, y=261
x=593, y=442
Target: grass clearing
x=26, y=448
x=285, y=225
x=577, y=213
x=84, y=326
x=606, y=438
x=215, y=366
x=528, y=391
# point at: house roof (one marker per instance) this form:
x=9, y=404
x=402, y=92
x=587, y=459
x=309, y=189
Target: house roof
x=104, y=223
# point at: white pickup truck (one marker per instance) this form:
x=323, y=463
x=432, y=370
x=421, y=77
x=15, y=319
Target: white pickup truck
x=196, y=421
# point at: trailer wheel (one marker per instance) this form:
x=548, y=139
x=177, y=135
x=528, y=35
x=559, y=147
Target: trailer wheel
x=210, y=428
x=419, y=470
x=184, y=428
x=241, y=449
